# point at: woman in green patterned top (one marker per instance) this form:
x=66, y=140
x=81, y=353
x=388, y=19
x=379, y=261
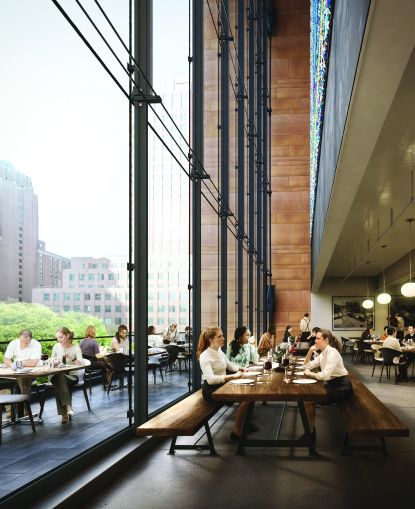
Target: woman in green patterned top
x=240, y=351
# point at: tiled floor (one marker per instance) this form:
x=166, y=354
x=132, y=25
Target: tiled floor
x=25, y=456
x=277, y=478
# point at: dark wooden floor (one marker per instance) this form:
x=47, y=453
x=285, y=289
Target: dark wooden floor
x=24, y=456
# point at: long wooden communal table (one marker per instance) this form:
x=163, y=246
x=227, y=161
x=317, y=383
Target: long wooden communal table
x=274, y=390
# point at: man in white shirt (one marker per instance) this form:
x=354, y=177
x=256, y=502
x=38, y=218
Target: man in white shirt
x=305, y=327
x=392, y=342
x=332, y=372
x=26, y=350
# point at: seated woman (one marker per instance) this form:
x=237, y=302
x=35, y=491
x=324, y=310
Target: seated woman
x=213, y=363
x=385, y=333
x=240, y=351
x=332, y=372
x=288, y=333
x=171, y=334
x=312, y=337
x=367, y=333
x=153, y=339
x=90, y=350
x=120, y=341
x=63, y=382
x=267, y=341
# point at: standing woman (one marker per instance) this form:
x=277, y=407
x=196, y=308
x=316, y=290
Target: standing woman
x=213, y=363
x=240, y=351
x=63, y=382
x=267, y=341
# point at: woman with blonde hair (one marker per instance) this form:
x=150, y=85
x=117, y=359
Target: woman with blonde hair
x=70, y=354
x=213, y=363
x=90, y=350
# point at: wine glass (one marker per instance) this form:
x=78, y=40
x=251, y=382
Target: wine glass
x=267, y=366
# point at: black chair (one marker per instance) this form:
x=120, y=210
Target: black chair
x=119, y=362
x=358, y=354
x=346, y=343
x=91, y=373
x=173, y=351
x=12, y=399
x=388, y=355
x=11, y=385
x=182, y=357
x=158, y=362
x=42, y=390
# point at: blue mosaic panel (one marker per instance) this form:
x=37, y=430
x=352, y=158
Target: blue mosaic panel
x=321, y=12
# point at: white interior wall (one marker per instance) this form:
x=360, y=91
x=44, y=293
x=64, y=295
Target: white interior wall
x=321, y=304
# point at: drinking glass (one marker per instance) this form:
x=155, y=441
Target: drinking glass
x=267, y=367
x=287, y=379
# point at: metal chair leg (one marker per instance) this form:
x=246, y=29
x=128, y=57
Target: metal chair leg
x=86, y=397
x=29, y=411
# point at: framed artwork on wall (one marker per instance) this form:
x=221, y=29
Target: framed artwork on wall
x=349, y=314
x=405, y=306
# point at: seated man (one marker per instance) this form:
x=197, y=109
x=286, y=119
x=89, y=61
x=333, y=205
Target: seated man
x=28, y=351
x=312, y=337
x=392, y=343
x=411, y=333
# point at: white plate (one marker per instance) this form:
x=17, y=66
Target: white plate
x=275, y=365
x=241, y=381
x=254, y=373
x=305, y=381
x=299, y=373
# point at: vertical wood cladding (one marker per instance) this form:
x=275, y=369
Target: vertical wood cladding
x=289, y=85
x=290, y=148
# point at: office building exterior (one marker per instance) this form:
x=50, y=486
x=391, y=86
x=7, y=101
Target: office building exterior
x=50, y=267
x=95, y=286
x=18, y=235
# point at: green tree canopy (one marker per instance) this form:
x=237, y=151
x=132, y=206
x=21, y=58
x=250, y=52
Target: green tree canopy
x=42, y=321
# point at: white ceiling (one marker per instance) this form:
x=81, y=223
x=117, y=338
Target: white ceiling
x=372, y=194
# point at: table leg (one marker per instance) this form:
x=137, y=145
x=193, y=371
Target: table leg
x=308, y=436
x=240, y=449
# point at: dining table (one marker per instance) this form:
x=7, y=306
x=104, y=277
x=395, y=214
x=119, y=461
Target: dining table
x=37, y=372
x=299, y=389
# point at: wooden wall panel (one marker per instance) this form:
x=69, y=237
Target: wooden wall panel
x=290, y=152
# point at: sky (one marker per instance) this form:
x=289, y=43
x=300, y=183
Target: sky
x=64, y=122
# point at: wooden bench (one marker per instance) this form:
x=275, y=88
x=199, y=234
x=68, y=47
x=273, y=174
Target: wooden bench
x=364, y=415
x=184, y=418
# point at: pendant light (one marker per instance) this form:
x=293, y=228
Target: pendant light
x=408, y=289
x=383, y=298
x=367, y=303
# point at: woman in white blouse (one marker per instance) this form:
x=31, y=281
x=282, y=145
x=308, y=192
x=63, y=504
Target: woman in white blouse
x=332, y=371
x=213, y=363
x=63, y=382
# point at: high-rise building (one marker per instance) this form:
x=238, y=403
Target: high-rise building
x=18, y=234
x=169, y=215
x=168, y=185
x=50, y=267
